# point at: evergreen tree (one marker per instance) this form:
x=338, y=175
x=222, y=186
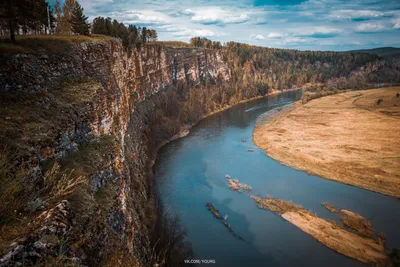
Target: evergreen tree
x=144, y=35
x=108, y=26
x=78, y=20
x=28, y=14
x=133, y=36
x=58, y=15
x=53, y=23
x=99, y=26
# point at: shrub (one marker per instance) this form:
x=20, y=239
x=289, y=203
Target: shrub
x=59, y=184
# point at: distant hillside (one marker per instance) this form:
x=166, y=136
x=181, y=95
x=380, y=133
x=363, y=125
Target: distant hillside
x=386, y=52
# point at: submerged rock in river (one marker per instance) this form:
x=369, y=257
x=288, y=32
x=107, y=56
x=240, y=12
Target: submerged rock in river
x=216, y=214
x=213, y=210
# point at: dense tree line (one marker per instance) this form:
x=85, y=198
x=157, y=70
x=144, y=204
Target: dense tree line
x=36, y=17
x=205, y=43
x=283, y=68
x=130, y=36
x=25, y=16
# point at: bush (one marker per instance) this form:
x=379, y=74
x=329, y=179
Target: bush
x=308, y=96
x=59, y=184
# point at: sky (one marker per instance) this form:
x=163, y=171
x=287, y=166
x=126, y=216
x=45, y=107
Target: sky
x=336, y=25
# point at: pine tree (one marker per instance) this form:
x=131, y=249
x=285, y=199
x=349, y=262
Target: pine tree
x=58, y=15
x=144, y=34
x=108, y=25
x=25, y=13
x=99, y=26
x=78, y=20
x=133, y=36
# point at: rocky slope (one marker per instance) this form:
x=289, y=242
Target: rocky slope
x=101, y=101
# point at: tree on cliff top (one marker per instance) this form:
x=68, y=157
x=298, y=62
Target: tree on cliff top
x=11, y=12
x=24, y=16
x=58, y=15
x=78, y=20
x=65, y=20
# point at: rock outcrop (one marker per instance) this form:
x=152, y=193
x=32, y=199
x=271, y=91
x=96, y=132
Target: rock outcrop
x=110, y=93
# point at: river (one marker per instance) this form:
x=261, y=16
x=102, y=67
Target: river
x=191, y=172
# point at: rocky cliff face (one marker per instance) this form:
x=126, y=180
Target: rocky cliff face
x=100, y=103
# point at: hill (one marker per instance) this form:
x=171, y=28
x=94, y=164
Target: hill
x=385, y=52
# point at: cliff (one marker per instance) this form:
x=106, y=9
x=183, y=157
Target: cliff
x=79, y=132
x=89, y=110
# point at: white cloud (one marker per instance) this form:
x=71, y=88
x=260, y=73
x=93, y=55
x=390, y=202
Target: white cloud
x=257, y=37
x=292, y=40
x=235, y=19
x=396, y=23
x=356, y=14
x=276, y=35
x=185, y=32
x=142, y=17
x=370, y=27
x=188, y=12
x=210, y=19
x=217, y=15
x=317, y=32
x=261, y=21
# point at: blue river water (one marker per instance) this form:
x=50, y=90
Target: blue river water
x=191, y=172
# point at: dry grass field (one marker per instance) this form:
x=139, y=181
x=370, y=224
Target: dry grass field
x=348, y=138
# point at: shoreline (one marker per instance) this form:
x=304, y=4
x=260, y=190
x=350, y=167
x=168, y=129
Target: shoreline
x=357, y=163
x=185, y=129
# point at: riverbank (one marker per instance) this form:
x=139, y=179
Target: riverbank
x=185, y=129
x=348, y=138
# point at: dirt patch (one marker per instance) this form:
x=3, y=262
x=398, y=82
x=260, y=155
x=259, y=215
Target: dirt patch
x=348, y=137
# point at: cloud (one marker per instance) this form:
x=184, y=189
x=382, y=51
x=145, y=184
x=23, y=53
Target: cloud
x=261, y=21
x=276, y=35
x=396, y=24
x=186, y=32
x=185, y=12
x=257, y=37
x=195, y=33
x=141, y=17
x=292, y=40
x=188, y=12
x=319, y=32
x=370, y=27
x=357, y=15
x=210, y=19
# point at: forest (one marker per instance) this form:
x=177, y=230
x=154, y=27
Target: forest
x=32, y=17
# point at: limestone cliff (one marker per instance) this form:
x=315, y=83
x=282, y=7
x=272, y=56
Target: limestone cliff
x=99, y=102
